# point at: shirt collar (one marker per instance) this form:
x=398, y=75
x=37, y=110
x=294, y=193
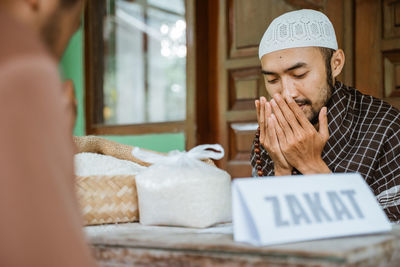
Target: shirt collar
x=337, y=108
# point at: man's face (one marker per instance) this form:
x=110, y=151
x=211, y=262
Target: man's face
x=60, y=25
x=299, y=73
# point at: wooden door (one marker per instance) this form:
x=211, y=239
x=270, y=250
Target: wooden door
x=377, y=49
x=229, y=75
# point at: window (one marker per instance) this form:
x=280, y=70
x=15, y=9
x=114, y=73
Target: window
x=138, y=67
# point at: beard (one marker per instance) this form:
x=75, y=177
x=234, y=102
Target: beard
x=323, y=99
x=326, y=93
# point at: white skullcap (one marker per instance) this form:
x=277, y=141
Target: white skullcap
x=300, y=28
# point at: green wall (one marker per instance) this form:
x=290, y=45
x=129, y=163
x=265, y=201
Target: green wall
x=71, y=67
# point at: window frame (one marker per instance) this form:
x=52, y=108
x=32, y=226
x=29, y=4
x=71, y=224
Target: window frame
x=94, y=75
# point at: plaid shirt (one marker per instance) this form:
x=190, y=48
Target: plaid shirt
x=364, y=138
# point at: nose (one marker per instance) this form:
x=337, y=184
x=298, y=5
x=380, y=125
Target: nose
x=288, y=88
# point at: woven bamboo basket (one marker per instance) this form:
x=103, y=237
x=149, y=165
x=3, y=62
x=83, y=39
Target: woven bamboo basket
x=107, y=199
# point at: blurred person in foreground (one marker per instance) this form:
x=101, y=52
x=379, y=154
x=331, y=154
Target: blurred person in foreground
x=315, y=124
x=40, y=221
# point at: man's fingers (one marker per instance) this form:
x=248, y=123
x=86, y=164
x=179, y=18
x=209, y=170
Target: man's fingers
x=323, y=124
x=287, y=111
x=280, y=133
x=268, y=110
x=272, y=134
x=277, y=137
x=301, y=118
x=257, y=103
x=280, y=119
x=262, y=120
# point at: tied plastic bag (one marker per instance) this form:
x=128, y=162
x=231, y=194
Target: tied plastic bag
x=181, y=190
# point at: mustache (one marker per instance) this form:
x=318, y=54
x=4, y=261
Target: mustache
x=302, y=101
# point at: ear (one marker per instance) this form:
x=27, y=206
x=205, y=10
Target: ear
x=34, y=4
x=337, y=62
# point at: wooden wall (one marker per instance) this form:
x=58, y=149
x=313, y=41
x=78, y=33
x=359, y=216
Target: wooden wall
x=377, y=49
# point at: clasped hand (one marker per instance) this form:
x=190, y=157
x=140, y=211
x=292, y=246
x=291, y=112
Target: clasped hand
x=289, y=137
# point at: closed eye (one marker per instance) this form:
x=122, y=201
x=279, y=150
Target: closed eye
x=272, y=81
x=300, y=75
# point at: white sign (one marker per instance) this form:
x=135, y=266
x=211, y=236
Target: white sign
x=279, y=210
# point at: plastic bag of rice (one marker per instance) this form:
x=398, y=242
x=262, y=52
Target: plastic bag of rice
x=181, y=190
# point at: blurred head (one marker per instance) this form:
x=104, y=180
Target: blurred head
x=61, y=25
x=300, y=58
x=55, y=20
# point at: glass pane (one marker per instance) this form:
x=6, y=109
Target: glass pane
x=176, y=6
x=145, y=62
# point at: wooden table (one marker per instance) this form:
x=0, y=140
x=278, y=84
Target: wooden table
x=137, y=245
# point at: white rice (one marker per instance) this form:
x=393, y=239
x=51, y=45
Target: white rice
x=87, y=164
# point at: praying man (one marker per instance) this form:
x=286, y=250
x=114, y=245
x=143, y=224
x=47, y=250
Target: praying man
x=314, y=124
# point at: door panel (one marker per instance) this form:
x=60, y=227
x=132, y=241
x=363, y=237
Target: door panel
x=377, y=49
x=391, y=52
x=246, y=23
x=244, y=86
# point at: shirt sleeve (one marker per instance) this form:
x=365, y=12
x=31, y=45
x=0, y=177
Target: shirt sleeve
x=40, y=221
x=388, y=174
